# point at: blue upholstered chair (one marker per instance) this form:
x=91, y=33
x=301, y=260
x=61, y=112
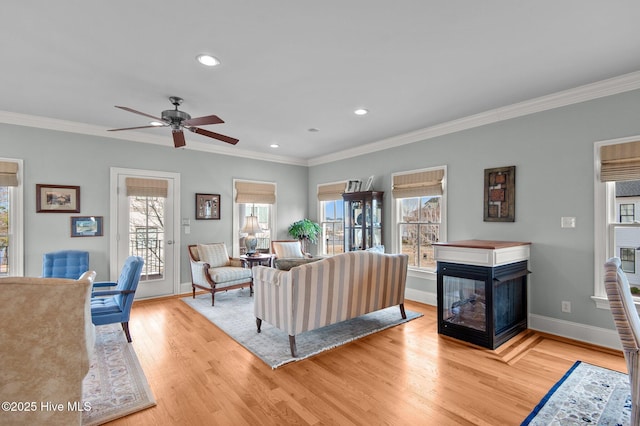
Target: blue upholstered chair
x=116, y=306
x=65, y=264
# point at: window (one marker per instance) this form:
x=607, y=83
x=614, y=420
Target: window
x=627, y=213
x=616, y=192
x=332, y=222
x=419, y=215
x=419, y=228
x=11, y=232
x=332, y=217
x=628, y=259
x=253, y=199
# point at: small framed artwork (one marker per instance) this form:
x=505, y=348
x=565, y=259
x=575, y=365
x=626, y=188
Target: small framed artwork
x=369, y=185
x=500, y=194
x=86, y=226
x=207, y=206
x=354, y=185
x=57, y=198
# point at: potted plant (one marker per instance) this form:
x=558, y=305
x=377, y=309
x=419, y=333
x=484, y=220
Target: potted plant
x=305, y=230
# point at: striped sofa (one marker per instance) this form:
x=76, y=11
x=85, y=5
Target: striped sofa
x=331, y=290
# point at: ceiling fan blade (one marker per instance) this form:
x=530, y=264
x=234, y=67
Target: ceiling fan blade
x=131, y=128
x=141, y=113
x=178, y=138
x=214, y=135
x=201, y=121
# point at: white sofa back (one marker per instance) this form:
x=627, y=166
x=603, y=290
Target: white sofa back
x=331, y=290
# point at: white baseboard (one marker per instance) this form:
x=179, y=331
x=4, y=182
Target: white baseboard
x=571, y=330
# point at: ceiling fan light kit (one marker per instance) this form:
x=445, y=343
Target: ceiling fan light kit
x=179, y=120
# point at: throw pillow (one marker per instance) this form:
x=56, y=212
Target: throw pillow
x=214, y=254
x=288, y=249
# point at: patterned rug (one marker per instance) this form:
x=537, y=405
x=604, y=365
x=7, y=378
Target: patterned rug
x=115, y=385
x=233, y=313
x=585, y=395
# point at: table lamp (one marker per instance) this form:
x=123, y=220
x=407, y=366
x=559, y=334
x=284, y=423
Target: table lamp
x=251, y=227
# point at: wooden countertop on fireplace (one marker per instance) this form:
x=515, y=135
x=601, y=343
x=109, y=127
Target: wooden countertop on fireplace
x=483, y=244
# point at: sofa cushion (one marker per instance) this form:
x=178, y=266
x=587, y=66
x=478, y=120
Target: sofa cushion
x=286, y=264
x=214, y=254
x=288, y=249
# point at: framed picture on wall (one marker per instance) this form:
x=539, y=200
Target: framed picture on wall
x=207, y=206
x=86, y=226
x=500, y=194
x=57, y=198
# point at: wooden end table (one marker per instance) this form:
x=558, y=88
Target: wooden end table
x=258, y=259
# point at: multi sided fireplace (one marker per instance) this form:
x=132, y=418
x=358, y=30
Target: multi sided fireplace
x=482, y=290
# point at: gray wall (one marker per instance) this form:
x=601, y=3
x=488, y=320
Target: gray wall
x=553, y=155
x=552, y=152
x=61, y=158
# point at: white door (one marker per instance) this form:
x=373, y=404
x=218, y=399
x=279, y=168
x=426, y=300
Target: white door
x=143, y=225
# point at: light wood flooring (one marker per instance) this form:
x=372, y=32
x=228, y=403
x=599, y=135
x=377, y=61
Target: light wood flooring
x=405, y=375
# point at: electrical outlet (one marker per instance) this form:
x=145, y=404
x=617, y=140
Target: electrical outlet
x=566, y=306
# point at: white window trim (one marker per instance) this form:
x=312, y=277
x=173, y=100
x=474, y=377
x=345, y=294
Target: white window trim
x=235, y=225
x=603, y=214
x=16, y=222
x=395, y=214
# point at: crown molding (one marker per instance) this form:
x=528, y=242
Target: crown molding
x=600, y=89
x=18, y=119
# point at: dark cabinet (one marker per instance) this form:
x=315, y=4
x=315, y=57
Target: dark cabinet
x=362, y=220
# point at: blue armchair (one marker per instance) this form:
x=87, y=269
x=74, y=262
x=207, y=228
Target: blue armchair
x=65, y=264
x=116, y=306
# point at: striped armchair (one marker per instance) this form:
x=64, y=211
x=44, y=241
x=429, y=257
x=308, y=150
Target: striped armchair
x=627, y=322
x=326, y=292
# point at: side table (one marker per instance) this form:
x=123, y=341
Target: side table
x=259, y=259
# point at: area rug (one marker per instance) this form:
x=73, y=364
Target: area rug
x=115, y=385
x=233, y=313
x=586, y=394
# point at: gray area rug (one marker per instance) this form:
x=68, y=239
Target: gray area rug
x=233, y=313
x=115, y=385
x=587, y=394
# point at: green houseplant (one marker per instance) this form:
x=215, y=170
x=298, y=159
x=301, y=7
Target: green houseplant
x=305, y=230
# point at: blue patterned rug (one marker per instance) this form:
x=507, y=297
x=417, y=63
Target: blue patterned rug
x=233, y=313
x=586, y=395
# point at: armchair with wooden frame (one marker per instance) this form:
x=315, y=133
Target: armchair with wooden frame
x=288, y=254
x=214, y=271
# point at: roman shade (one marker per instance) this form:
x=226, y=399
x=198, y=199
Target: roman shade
x=255, y=192
x=418, y=184
x=620, y=162
x=142, y=187
x=331, y=191
x=8, y=173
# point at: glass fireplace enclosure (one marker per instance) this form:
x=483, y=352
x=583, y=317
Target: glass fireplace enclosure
x=482, y=305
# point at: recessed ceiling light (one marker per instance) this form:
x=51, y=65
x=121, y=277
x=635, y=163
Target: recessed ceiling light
x=208, y=60
x=157, y=123
x=274, y=145
x=360, y=111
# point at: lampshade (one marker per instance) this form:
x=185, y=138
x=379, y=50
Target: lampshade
x=251, y=225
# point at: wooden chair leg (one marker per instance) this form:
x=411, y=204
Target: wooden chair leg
x=292, y=345
x=125, y=327
x=213, y=293
x=194, y=291
x=258, y=324
x=402, y=312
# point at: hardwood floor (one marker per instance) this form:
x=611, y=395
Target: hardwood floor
x=404, y=375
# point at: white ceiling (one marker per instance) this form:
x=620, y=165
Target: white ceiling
x=291, y=65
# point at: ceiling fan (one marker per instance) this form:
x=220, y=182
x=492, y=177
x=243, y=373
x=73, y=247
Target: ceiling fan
x=179, y=120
